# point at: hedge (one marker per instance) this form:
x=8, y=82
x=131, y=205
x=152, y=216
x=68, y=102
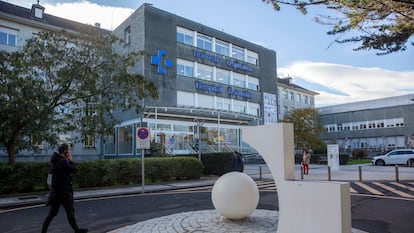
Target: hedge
x=31, y=176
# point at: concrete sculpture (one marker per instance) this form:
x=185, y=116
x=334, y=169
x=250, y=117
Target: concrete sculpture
x=235, y=195
x=304, y=206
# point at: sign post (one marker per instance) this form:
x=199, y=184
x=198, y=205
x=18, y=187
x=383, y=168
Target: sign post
x=143, y=142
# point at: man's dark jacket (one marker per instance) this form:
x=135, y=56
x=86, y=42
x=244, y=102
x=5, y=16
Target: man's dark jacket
x=62, y=170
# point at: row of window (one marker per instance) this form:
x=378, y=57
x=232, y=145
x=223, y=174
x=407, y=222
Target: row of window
x=214, y=102
x=212, y=73
x=212, y=44
x=8, y=36
x=296, y=97
x=87, y=140
x=363, y=125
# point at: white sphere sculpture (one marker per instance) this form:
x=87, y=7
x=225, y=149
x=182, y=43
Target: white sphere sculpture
x=235, y=195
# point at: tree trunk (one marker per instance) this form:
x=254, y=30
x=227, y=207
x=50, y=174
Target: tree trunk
x=11, y=148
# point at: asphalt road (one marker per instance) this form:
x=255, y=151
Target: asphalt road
x=371, y=214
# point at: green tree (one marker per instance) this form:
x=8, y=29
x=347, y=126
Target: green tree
x=62, y=82
x=384, y=26
x=305, y=128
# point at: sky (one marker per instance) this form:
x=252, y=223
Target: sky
x=304, y=51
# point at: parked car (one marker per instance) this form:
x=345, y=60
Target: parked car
x=401, y=156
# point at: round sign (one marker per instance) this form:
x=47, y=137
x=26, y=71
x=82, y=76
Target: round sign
x=142, y=133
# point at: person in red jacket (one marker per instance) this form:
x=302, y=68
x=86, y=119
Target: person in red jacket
x=62, y=191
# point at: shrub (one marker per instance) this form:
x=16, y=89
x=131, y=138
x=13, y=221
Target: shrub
x=359, y=153
x=28, y=177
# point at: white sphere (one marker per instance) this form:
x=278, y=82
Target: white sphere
x=235, y=195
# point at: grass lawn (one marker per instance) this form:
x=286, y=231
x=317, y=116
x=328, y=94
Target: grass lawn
x=358, y=161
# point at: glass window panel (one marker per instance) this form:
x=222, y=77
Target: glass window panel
x=222, y=76
x=237, y=53
x=109, y=141
x=204, y=42
x=252, y=57
x=125, y=140
x=223, y=104
x=253, y=83
x=3, y=38
x=222, y=48
x=205, y=101
x=185, y=98
x=185, y=68
x=239, y=106
x=204, y=72
x=239, y=80
x=254, y=109
x=184, y=36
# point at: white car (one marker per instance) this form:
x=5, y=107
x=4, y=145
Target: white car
x=402, y=156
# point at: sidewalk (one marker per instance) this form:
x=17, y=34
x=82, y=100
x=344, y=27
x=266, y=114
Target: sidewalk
x=256, y=171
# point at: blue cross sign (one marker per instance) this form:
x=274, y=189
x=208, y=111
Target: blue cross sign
x=160, y=61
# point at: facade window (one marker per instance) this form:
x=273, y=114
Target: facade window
x=252, y=57
x=299, y=98
x=222, y=76
x=222, y=48
x=237, y=53
x=239, y=80
x=239, y=106
x=223, y=104
x=184, y=36
x=88, y=141
x=306, y=100
x=253, y=83
x=127, y=35
x=205, y=101
x=185, y=98
x=8, y=36
x=185, y=68
x=292, y=96
x=204, y=42
x=285, y=95
x=125, y=139
x=205, y=72
x=254, y=109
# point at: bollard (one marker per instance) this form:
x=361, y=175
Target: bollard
x=360, y=173
x=301, y=172
x=329, y=173
x=396, y=173
x=260, y=172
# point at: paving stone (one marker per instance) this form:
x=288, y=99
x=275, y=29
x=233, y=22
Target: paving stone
x=205, y=221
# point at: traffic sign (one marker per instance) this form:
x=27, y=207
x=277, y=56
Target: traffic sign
x=143, y=138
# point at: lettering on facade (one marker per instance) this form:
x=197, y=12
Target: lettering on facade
x=219, y=89
x=209, y=88
x=216, y=59
x=235, y=92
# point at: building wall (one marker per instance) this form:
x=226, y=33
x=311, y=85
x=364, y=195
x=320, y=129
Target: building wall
x=153, y=29
x=377, y=126
x=291, y=96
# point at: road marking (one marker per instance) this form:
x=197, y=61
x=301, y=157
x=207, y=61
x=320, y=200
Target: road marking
x=369, y=189
x=352, y=190
x=391, y=189
x=403, y=186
